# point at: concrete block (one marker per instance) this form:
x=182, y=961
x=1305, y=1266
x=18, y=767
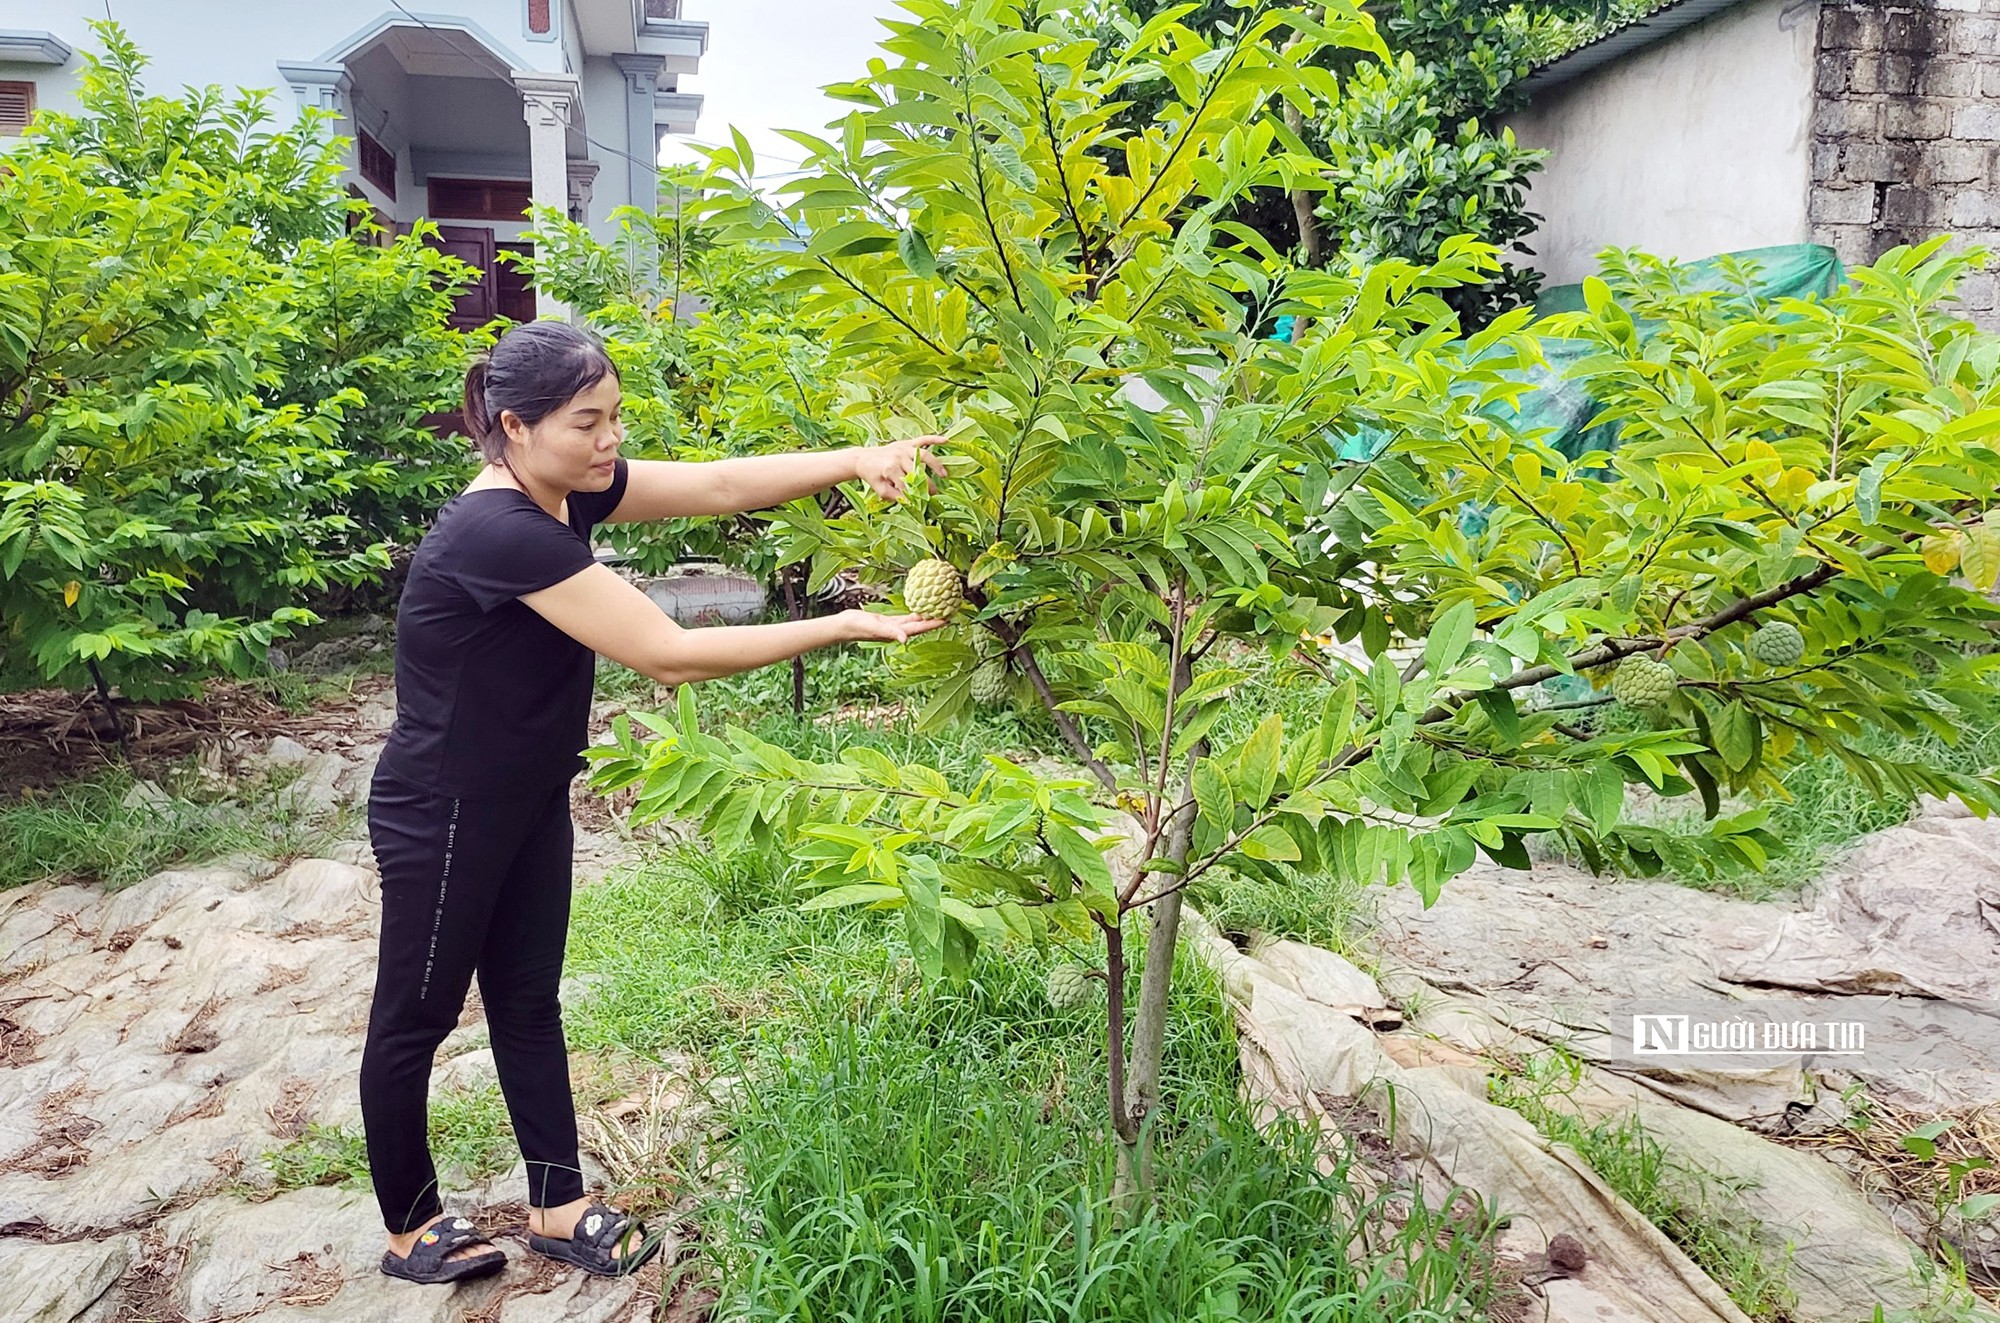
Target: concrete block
x=1989, y=80
x=1916, y=119
x=1916, y=30
x=1979, y=291
x=1907, y=204
x=1948, y=78
x=1978, y=123
x=1899, y=74
x=1826, y=162
x=1975, y=211
x=1879, y=162
x=1843, y=206
x=1958, y=163
x=1854, y=243
x=1851, y=118
x=1849, y=29
x=1830, y=74
x=1974, y=35
x=1864, y=69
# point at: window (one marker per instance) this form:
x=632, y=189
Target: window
x=479, y=199
x=378, y=164
x=17, y=107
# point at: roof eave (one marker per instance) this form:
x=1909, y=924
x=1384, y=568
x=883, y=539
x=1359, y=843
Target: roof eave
x=1615, y=45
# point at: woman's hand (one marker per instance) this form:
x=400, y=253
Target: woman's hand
x=873, y=626
x=887, y=467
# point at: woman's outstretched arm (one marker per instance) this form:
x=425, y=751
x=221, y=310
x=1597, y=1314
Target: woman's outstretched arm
x=674, y=489
x=606, y=614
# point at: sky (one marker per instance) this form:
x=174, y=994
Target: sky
x=766, y=61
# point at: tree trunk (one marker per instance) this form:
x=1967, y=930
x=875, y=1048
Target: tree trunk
x=794, y=610
x=1149, y=1035
x=1125, y=1186
x=1302, y=203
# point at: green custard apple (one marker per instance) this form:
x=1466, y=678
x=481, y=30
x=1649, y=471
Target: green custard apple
x=933, y=589
x=1641, y=682
x=991, y=685
x=1069, y=986
x=1778, y=643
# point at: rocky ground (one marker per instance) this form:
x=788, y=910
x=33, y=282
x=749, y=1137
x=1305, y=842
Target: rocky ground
x=156, y=1042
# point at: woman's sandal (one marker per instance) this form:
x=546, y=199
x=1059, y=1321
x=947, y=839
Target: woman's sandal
x=429, y=1260
x=594, y=1244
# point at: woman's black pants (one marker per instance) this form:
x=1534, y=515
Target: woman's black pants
x=468, y=886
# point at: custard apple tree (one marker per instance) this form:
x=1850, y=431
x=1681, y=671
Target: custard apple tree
x=1144, y=496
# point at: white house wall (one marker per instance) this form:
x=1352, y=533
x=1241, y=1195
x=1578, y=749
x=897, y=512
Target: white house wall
x=604, y=110
x=1697, y=145
x=238, y=43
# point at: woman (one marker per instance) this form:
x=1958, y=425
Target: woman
x=503, y=611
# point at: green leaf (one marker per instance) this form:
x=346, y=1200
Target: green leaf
x=1499, y=707
x=1214, y=800
x=858, y=893
x=1450, y=635
x=916, y=254
x=1979, y=558
x=1737, y=736
x=1269, y=842
x=1257, y=764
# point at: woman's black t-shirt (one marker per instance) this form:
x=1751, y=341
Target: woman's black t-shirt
x=491, y=699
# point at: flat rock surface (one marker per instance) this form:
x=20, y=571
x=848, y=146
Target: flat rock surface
x=156, y=1042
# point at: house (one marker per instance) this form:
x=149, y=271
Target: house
x=1713, y=126
x=460, y=111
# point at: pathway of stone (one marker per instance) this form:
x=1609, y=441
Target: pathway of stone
x=155, y=1042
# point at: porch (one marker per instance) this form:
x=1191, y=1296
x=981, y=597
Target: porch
x=450, y=125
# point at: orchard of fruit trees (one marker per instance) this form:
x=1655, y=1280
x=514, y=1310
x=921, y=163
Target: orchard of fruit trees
x=1788, y=547
x=212, y=404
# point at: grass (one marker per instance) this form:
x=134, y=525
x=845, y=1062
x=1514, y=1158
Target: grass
x=83, y=830
x=1828, y=809
x=900, y=1152
x=471, y=1140
x=1690, y=1205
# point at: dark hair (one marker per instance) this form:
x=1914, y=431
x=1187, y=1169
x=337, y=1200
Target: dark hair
x=532, y=370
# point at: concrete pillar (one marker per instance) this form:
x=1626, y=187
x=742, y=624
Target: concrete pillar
x=642, y=139
x=582, y=183
x=548, y=102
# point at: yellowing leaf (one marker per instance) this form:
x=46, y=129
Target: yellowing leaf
x=70, y=592
x=1761, y=452
x=1795, y=482
x=1941, y=553
x=1979, y=558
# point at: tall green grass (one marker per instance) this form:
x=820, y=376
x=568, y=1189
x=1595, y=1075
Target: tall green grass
x=901, y=1152
x=1694, y=1207
x=1825, y=808
x=83, y=831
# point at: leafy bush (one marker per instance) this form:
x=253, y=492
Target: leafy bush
x=746, y=375
x=1827, y=463
x=208, y=393
x=1402, y=180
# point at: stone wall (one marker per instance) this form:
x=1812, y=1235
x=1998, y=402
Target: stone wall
x=1906, y=131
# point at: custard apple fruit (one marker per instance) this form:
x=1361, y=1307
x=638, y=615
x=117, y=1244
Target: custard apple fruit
x=933, y=589
x=1642, y=682
x=990, y=684
x=1778, y=643
x=1069, y=987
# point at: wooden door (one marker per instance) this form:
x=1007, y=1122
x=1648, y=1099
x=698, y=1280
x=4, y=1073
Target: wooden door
x=514, y=296
x=474, y=246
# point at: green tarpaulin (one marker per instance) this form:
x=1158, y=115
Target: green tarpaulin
x=1561, y=409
